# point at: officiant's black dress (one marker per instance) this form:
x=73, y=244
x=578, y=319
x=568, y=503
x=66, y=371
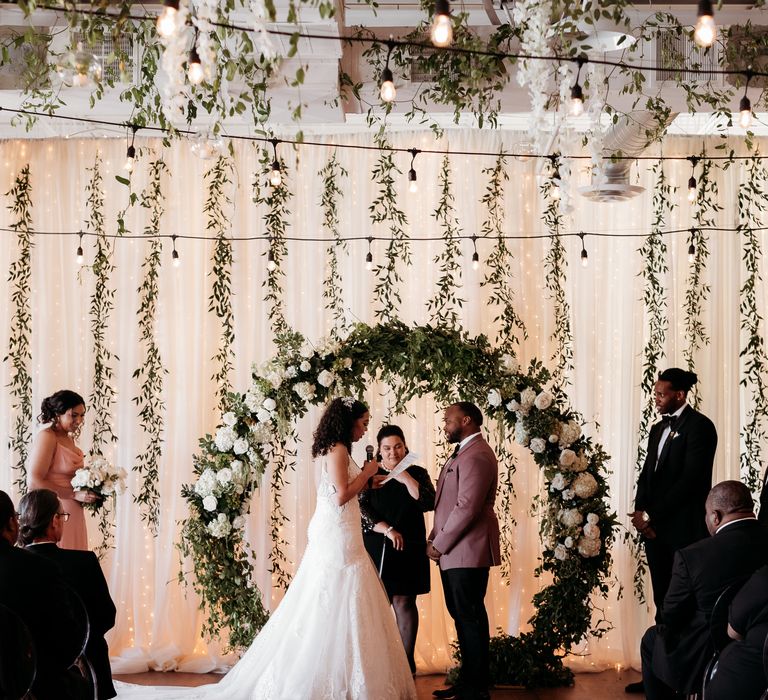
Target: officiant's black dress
x=405, y=572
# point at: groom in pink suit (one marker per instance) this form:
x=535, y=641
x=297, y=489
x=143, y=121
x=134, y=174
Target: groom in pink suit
x=465, y=543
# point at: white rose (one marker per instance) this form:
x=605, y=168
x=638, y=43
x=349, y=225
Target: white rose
x=571, y=517
x=326, y=378
x=307, y=350
x=238, y=522
x=591, y=531
x=568, y=542
x=584, y=485
x=538, y=445
x=553, y=438
x=543, y=401
x=210, y=503
x=291, y=372
x=567, y=458
x=559, y=482
x=240, y=447
x=269, y=404
x=224, y=476
x=593, y=518
x=305, y=366
x=225, y=438
x=513, y=405
x=561, y=552
x=494, y=398
x=263, y=415
x=229, y=418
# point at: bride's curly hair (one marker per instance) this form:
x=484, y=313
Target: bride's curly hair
x=336, y=425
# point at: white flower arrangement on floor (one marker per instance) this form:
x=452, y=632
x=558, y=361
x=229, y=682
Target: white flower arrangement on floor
x=99, y=476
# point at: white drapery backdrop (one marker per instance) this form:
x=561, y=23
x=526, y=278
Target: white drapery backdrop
x=158, y=623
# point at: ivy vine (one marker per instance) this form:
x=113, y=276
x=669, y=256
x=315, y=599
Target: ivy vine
x=218, y=177
x=151, y=372
x=444, y=306
x=331, y=175
x=19, y=354
x=654, y=255
x=102, y=397
x=498, y=264
x=751, y=206
x=384, y=210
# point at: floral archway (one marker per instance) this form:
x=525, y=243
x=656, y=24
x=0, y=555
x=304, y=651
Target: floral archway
x=258, y=427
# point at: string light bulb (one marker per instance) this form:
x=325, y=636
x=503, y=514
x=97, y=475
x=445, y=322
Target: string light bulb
x=387, y=90
x=475, y=254
x=555, y=190
x=692, y=191
x=441, y=33
x=271, y=264
x=130, y=152
x=706, y=29
x=745, y=112
x=691, y=253
x=79, y=257
x=584, y=254
x=195, y=71
x=369, y=256
x=413, y=185
x=166, y=21
x=276, y=174
x=175, y=259
x=576, y=106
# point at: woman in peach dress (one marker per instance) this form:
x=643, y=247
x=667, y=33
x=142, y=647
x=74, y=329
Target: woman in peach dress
x=54, y=459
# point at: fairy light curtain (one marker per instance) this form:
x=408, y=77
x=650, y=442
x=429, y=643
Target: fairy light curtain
x=158, y=624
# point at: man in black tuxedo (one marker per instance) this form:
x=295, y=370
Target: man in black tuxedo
x=32, y=587
x=675, y=479
x=41, y=526
x=675, y=652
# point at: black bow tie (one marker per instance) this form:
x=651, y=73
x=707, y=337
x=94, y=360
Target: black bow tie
x=669, y=421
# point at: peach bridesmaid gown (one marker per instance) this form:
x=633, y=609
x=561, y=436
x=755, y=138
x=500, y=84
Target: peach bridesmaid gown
x=65, y=463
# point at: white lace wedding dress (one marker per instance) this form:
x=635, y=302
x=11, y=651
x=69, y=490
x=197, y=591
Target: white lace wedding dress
x=333, y=636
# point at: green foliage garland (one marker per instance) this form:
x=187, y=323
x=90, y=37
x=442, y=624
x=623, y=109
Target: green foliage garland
x=384, y=210
x=556, y=266
x=654, y=254
x=497, y=275
x=696, y=290
x=751, y=206
x=102, y=395
x=218, y=178
x=577, y=527
x=151, y=372
x=19, y=355
x=331, y=175
x=275, y=199
x=444, y=306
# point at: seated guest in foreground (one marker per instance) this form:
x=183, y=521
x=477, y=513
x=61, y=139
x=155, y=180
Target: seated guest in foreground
x=41, y=526
x=675, y=652
x=740, y=671
x=32, y=587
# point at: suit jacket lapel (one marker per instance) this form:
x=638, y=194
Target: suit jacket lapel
x=668, y=442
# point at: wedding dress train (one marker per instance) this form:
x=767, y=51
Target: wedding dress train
x=333, y=636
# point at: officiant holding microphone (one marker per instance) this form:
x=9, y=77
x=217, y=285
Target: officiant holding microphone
x=392, y=515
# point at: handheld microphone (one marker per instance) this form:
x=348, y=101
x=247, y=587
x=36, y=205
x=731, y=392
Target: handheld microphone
x=368, y=453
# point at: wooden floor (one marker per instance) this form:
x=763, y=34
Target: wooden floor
x=608, y=685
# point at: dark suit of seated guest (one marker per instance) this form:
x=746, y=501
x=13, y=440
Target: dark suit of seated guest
x=33, y=588
x=41, y=526
x=675, y=652
x=740, y=671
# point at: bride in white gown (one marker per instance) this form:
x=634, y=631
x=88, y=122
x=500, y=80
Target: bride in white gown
x=333, y=636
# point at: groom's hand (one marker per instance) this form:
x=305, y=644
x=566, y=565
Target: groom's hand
x=432, y=553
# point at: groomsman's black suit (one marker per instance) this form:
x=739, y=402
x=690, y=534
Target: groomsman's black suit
x=33, y=588
x=83, y=573
x=677, y=650
x=674, y=490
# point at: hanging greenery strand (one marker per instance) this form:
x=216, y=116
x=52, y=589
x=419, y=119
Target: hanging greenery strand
x=696, y=290
x=384, y=210
x=498, y=264
x=19, y=355
x=150, y=374
x=218, y=177
x=331, y=175
x=444, y=306
x=556, y=266
x=654, y=255
x=282, y=460
x=102, y=396
x=275, y=199
x=751, y=207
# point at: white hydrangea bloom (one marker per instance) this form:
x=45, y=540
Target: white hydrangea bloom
x=571, y=517
x=593, y=518
x=568, y=495
x=224, y=476
x=263, y=415
x=584, y=485
x=510, y=364
x=589, y=547
x=521, y=434
x=591, y=531
x=513, y=405
x=559, y=482
x=567, y=458
x=527, y=397
x=225, y=438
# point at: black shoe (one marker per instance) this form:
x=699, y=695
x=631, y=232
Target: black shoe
x=636, y=687
x=450, y=692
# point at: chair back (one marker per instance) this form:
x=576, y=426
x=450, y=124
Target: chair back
x=18, y=659
x=80, y=624
x=718, y=621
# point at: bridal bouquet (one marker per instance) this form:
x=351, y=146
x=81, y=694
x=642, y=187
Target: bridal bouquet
x=100, y=477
